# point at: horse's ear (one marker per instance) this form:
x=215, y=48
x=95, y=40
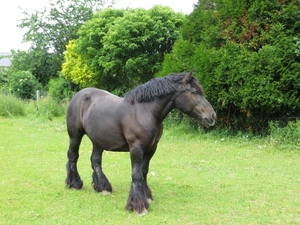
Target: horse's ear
x=188, y=77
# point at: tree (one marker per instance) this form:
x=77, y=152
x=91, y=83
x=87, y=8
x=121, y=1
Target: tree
x=40, y=63
x=119, y=49
x=49, y=31
x=245, y=55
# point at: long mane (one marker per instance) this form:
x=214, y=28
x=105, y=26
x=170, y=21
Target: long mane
x=158, y=88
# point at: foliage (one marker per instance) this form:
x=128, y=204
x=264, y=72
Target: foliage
x=49, y=30
x=297, y=50
x=11, y=106
x=4, y=80
x=24, y=85
x=40, y=63
x=46, y=108
x=61, y=89
x=76, y=69
x=245, y=55
x=285, y=137
x=118, y=49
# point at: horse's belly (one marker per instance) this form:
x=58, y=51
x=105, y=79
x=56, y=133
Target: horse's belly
x=108, y=140
x=102, y=126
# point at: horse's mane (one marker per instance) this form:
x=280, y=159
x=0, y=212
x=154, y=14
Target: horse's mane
x=158, y=88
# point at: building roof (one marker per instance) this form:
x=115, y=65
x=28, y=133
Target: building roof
x=5, y=62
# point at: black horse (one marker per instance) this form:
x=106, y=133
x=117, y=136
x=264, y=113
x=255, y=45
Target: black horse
x=132, y=123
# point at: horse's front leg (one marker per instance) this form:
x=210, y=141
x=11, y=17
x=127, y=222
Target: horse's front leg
x=137, y=200
x=100, y=182
x=146, y=161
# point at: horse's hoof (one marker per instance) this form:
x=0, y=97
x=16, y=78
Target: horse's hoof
x=149, y=200
x=74, y=184
x=104, y=192
x=143, y=213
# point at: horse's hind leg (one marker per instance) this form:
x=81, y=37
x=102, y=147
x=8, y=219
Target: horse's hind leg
x=100, y=182
x=73, y=179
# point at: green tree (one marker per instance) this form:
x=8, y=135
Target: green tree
x=52, y=28
x=49, y=31
x=245, y=55
x=119, y=49
x=40, y=63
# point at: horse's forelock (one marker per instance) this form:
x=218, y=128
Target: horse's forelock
x=195, y=83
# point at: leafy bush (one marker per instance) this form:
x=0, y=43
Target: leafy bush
x=249, y=88
x=287, y=136
x=4, y=80
x=61, y=89
x=245, y=56
x=11, y=106
x=46, y=108
x=24, y=85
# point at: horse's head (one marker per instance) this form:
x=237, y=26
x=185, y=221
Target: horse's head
x=190, y=100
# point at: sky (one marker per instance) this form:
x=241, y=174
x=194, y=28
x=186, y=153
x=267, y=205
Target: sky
x=10, y=15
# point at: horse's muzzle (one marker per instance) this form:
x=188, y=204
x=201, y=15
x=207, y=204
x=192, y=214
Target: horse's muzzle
x=209, y=120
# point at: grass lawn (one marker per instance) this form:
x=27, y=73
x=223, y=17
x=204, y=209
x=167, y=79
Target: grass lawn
x=195, y=179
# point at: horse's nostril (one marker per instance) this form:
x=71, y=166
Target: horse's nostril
x=209, y=120
x=214, y=115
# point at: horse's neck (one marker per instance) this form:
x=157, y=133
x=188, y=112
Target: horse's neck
x=168, y=108
x=162, y=108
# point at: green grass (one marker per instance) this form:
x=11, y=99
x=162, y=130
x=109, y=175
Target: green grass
x=46, y=108
x=196, y=178
x=11, y=106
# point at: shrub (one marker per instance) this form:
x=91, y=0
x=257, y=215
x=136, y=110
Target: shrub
x=60, y=88
x=24, y=85
x=11, y=106
x=46, y=108
x=285, y=136
x=4, y=80
x=246, y=56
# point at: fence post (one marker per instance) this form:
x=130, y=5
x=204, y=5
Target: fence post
x=38, y=95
